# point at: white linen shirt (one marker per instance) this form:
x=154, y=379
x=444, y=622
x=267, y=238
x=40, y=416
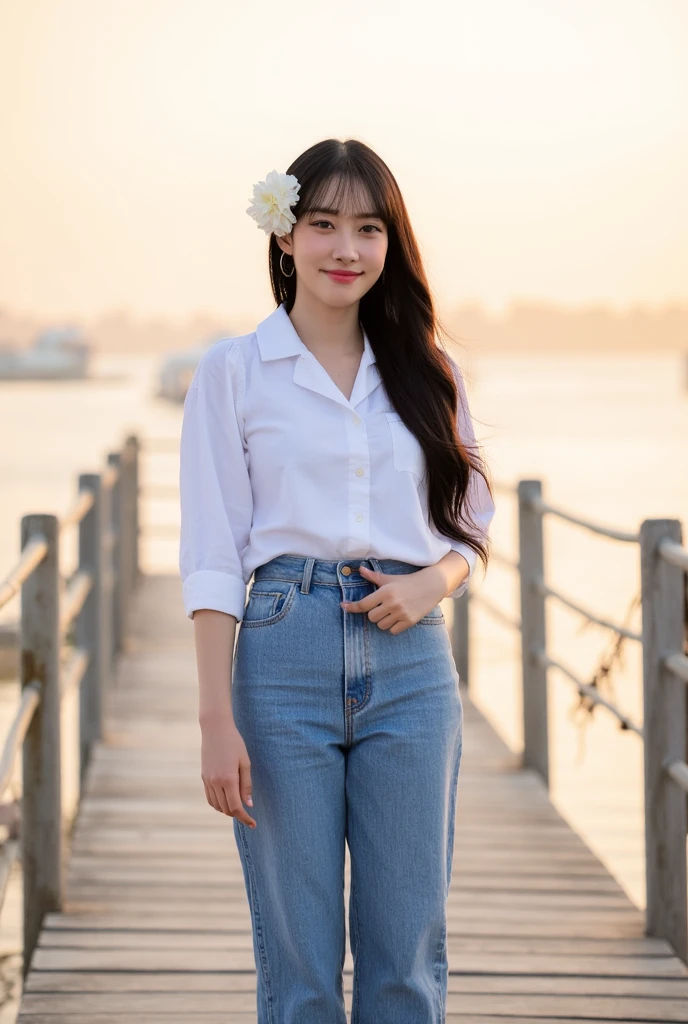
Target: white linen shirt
x=275, y=459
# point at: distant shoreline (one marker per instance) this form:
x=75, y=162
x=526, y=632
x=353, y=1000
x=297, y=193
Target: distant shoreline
x=526, y=327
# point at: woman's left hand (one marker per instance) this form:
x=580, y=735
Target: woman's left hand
x=400, y=601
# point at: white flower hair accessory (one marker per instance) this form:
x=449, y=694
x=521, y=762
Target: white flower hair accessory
x=272, y=199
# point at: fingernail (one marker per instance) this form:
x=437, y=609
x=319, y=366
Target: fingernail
x=249, y=801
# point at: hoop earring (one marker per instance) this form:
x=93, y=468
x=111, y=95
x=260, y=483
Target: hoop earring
x=282, y=267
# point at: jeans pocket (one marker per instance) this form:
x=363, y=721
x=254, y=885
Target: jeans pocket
x=268, y=602
x=435, y=617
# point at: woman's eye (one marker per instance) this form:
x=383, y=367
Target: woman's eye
x=321, y=223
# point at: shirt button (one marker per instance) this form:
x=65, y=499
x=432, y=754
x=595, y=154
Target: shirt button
x=359, y=519
x=359, y=471
x=346, y=570
x=357, y=421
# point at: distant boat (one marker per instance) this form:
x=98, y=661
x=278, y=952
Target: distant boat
x=178, y=368
x=58, y=353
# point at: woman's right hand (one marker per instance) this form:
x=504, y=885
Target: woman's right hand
x=226, y=769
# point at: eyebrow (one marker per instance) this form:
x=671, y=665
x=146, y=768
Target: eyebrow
x=359, y=216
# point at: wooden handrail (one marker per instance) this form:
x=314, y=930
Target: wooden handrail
x=95, y=602
x=664, y=563
x=30, y=699
x=78, y=590
x=673, y=553
x=32, y=555
x=678, y=664
x=544, y=508
x=678, y=771
x=82, y=505
x=585, y=689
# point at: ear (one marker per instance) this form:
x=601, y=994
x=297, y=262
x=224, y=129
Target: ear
x=285, y=243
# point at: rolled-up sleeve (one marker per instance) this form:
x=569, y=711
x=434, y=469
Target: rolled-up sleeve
x=214, y=485
x=479, y=503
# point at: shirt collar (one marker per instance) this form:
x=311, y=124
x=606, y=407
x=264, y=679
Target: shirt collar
x=277, y=338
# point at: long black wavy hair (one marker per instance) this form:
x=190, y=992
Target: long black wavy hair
x=399, y=316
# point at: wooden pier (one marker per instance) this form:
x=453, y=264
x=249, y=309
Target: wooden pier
x=155, y=924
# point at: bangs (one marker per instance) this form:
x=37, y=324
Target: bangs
x=346, y=193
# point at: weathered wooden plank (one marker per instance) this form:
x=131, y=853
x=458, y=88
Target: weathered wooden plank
x=233, y=981
x=475, y=927
x=230, y=1017
x=238, y=937
x=139, y=874
x=538, y=903
x=189, y=840
x=167, y=929
x=489, y=858
x=240, y=957
x=486, y=919
x=660, y=1009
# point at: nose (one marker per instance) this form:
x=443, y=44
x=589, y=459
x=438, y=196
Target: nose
x=345, y=249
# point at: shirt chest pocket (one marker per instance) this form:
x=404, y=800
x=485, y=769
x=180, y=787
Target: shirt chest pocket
x=408, y=454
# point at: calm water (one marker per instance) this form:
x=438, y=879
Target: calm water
x=606, y=435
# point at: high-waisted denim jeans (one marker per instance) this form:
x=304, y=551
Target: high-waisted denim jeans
x=354, y=735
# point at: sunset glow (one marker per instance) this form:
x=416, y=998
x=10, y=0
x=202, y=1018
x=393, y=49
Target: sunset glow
x=542, y=148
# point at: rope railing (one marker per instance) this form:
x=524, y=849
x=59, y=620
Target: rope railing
x=74, y=671
x=78, y=590
x=664, y=641
x=678, y=664
x=673, y=553
x=496, y=612
x=589, y=616
x=678, y=771
x=82, y=505
x=544, y=508
x=93, y=604
x=30, y=699
x=31, y=556
x=503, y=560
x=588, y=691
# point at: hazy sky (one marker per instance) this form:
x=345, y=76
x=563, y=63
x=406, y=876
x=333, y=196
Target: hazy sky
x=541, y=145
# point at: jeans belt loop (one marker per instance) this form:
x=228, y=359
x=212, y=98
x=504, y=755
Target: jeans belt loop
x=307, y=573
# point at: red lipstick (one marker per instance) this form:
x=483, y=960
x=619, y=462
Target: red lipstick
x=343, y=276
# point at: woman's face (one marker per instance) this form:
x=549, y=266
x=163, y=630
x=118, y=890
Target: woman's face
x=345, y=240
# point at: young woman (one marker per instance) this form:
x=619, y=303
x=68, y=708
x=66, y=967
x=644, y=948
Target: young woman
x=331, y=456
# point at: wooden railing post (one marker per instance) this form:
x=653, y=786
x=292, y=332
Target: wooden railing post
x=93, y=623
x=533, y=632
x=460, y=638
x=40, y=643
x=128, y=523
x=118, y=593
x=664, y=730
x=134, y=444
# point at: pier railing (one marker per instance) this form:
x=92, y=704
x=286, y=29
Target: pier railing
x=70, y=632
x=664, y=730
